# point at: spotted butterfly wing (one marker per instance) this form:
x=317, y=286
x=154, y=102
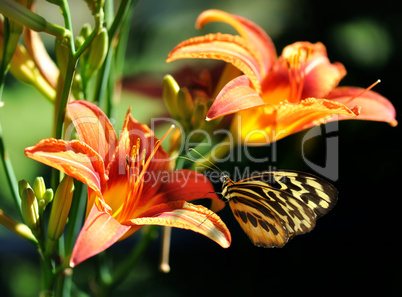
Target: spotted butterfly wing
x=272, y=207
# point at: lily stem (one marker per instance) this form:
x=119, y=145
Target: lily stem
x=8, y=168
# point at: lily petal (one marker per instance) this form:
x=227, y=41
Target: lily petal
x=374, y=107
x=94, y=128
x=225, y=47
x=261, y=125
x=248, y=30
x=99, y=232
x=74, y=158
x=236, y=96
x=183, y=185
x=185, y=215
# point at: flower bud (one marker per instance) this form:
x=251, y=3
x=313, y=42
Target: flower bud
x=46, y=199
x=18, y=228
x=22, y=185
x=95, y=5
x=43, y=195
x=30, y=210
x=170, y=90
x=198, y=117
x=62, y=52
x=60, y=209
x=48, y=196
x=97, y=52
x=39, y=187
x=185, y=101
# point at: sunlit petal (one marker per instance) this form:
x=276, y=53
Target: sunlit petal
x=236, y=96
x=74, y=158
x=260, y=125
x=248, y=30
x=374, y=107
x=185, y=215
x=99, y=232
x=225, y=47
x=94, y=128
x=184, y=185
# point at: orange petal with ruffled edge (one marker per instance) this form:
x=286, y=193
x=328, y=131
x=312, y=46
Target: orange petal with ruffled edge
x=236, y=96
x=99, y=232
x=93, y=127
x=374, y=107
x=248, y=30
x=224, y=47
x=74, y=158
x=185, y=215
x=259, y=126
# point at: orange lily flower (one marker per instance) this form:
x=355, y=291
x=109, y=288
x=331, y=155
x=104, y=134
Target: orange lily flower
x=278, y=96
x=129, y=182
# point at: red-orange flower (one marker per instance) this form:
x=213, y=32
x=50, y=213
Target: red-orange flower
x=129, y=182
x=278, y=96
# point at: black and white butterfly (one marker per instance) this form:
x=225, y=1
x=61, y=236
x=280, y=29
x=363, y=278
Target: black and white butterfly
x=274, y=206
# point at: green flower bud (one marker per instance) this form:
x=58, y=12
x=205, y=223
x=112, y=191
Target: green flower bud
x=39, y=187
x=45, y=200
x=170, y=90
x=48, y=196
x=185, y=101
x=95, y=5
x=79, y=41
x=18, y=228
x=60, y=209
x=97, y=52
x=30, y=210
x=199, y=114
x=22, y=185
x=62, y=52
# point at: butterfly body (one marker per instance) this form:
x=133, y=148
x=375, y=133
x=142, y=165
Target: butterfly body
x=274, y=206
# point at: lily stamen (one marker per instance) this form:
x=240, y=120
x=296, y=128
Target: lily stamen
x=364, y=91
x=296, y=69
x=138, y=165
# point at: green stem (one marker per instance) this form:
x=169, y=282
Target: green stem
x=8, y=168
x=65, y=10
x=5, y=157
x=105, y=78
x=61, y=108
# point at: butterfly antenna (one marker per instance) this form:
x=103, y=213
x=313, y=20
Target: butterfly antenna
x=214, y=167
x=205, y=219
x=199, y=163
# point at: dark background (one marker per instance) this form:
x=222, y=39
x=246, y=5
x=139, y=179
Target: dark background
x=354, y=248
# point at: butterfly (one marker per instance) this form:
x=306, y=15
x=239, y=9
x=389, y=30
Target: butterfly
x=272, y=207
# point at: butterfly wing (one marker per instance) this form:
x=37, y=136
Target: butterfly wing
x=290, y=199
x=260, y=223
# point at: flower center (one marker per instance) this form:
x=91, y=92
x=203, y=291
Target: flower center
x=136, y=166
x=296, y=64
